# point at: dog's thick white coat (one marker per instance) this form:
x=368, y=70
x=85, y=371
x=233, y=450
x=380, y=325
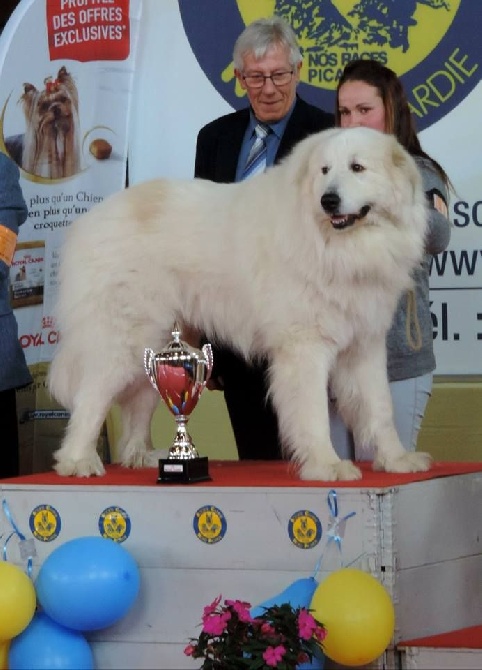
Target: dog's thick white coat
x=257, y=264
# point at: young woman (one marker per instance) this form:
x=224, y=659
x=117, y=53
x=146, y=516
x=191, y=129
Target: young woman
x=370, y=94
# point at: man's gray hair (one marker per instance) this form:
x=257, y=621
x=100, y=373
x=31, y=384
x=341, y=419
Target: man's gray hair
x=261, y=35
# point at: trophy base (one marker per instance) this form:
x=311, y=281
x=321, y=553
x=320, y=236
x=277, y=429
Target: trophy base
x=183, y=471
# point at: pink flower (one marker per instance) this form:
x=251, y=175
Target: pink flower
x=267, y=629
x=241, y=609
x=320, y=633
x=209, y=609
x=283, y=636
x=306, y=625
x=273, y=655
x=189, y=650
x=216, y=623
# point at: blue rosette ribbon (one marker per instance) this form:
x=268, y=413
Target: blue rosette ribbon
x=26, y=545
x=336, y=530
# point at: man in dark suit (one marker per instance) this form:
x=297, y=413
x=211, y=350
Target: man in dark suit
x=267, y=63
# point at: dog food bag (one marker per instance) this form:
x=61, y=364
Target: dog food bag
x=27, y=274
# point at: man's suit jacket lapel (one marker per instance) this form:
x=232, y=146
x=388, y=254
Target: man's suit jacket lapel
x=230, y=146
x=294, y=131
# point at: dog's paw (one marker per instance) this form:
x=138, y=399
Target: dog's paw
x=84, y=467
x=410, y=461
x=144, y=459
x=329, y=472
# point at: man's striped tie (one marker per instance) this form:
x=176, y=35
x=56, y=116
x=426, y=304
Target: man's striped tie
x=256, y=161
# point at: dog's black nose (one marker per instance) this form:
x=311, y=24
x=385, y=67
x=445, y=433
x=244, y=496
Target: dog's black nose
x=330, y=201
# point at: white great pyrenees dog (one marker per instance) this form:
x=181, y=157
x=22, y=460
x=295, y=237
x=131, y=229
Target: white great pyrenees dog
x=303, y=264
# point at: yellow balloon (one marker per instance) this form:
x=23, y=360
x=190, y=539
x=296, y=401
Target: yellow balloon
x=4, y=647
x=358, y=615
x=17, y=600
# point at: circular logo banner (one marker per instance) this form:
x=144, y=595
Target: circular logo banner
x=431, y=44
x=45, y=523
x=304, y=529
x=115, y=523
x=209, y=524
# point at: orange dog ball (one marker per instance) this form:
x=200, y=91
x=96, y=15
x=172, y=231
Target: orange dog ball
x=358, y=615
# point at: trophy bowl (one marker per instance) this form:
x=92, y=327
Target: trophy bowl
x=179, y=374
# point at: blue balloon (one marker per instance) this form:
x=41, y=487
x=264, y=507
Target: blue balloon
x=88, y=583
x=45, y=645
x=297, y=594
x=317, y=663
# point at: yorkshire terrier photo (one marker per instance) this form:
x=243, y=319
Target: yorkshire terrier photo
x=50, y=147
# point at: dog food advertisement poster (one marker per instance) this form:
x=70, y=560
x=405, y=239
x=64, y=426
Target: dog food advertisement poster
x=66, y=78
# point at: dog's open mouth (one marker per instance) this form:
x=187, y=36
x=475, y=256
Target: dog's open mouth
x=341, y=221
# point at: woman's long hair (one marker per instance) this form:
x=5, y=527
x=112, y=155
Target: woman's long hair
x=398, y=118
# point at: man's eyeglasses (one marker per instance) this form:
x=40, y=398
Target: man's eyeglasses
x=259, y=80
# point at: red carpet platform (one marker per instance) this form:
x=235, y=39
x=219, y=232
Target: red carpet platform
x=458, y=649
x=250, y=473
x=464, y=638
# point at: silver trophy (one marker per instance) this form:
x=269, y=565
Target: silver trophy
x=179, y=373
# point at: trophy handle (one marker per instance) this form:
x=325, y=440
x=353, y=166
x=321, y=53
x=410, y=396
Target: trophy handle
x=149, y=357
x=208, y=353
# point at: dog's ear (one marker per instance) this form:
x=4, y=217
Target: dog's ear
x=404, y=161
x=28, y=100
x=62, y=74
x=28, y=89
x=303, y=158
x=28, y=97
x=399, y=155
x=65, y=79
